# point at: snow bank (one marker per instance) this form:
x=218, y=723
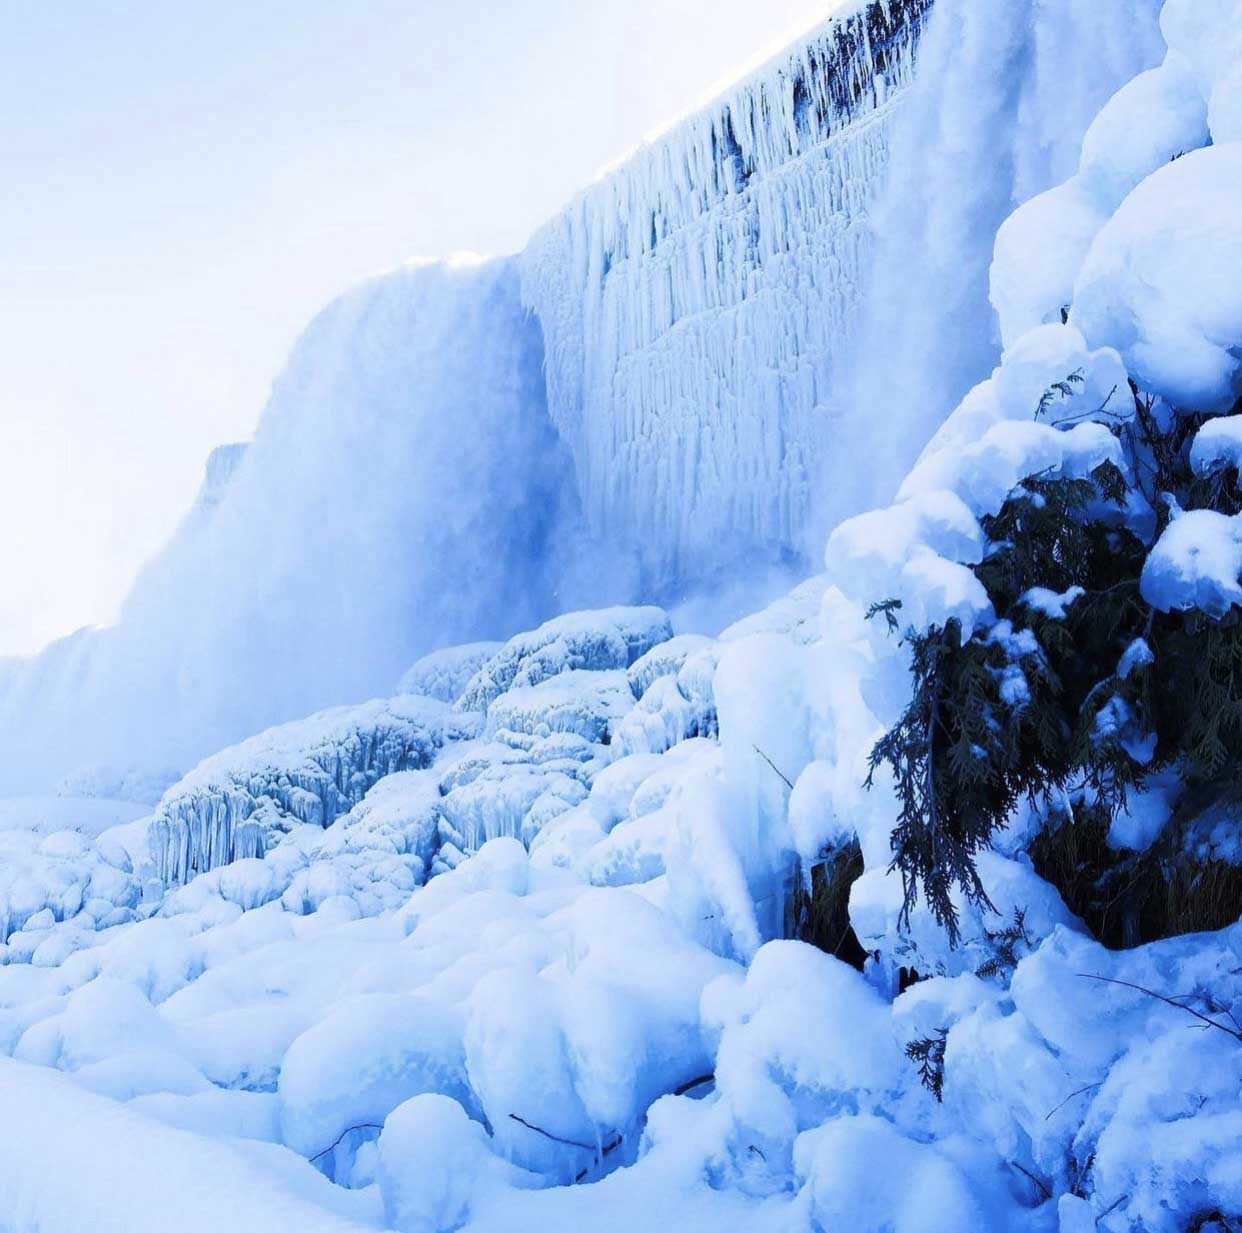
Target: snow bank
x=99, y=1147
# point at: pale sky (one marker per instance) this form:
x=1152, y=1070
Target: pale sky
x=185, y=184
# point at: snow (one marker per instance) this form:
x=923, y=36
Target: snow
x=100, y=1146
x=507, y=950
x=1158, y=282
x=1196, y=563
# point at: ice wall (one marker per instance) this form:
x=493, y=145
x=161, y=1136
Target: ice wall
x=405, y=488
x=697, y=302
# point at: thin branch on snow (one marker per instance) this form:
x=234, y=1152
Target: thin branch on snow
x=1038, y=1181
x=337, y=1142
x=1160, y=997
x=1089, y=1088
x=547, y=1134
x=784, y=778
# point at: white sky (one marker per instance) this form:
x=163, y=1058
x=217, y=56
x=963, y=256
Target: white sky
x=184, y=185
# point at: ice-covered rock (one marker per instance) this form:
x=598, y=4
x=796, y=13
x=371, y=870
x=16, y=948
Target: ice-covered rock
x=578, y=701
x=445, y=674
x=57, y=882
x=666, y=659
x=664, y=716
x=609, y=639
x=312, y=771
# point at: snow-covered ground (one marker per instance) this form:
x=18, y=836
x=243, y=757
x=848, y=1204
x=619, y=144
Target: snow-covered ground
x=505, y=951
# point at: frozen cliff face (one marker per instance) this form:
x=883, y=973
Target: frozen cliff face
x=697, y=302
x=405, y=489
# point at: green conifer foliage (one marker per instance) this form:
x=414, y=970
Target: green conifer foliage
x=1089, y=704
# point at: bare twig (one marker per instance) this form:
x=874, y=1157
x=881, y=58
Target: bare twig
x=1038, y=1181
x=1090, y=1087
x=1112, y=1207
x=346, y=1131
x=1151, y=993
x=693, y=1083
x=547, y=1134
x=784, y=778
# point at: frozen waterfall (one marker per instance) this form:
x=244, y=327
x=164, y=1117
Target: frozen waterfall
x=684, y=376
x=405, y=488
x=698, y=301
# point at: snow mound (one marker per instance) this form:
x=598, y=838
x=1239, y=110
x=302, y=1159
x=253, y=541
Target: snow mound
x=1160, y=282
x=1196, y=563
